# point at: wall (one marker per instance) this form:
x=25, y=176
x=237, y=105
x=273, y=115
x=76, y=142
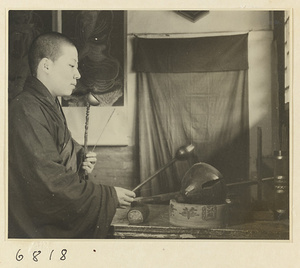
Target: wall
x=167, y=23
x=215, y=21
x=116, y=166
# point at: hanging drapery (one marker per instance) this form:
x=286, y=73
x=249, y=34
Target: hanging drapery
x=192, y=90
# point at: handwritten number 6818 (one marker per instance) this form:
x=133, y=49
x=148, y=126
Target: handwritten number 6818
x=35, y=254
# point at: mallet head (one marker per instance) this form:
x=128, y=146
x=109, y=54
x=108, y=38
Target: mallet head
x=184, y=152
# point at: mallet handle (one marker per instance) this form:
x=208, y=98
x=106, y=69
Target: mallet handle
x=152, y=176
x=86, y=133
x=157, y=198
x=164, y=197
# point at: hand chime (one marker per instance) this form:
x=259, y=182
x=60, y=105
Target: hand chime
x=91, y=100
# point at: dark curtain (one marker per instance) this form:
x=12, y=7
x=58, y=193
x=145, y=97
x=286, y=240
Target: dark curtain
x=192, y=90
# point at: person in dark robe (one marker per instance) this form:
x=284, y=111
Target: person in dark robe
x=49, y=196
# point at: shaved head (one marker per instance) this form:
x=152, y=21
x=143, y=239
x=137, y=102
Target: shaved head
x=48, y=46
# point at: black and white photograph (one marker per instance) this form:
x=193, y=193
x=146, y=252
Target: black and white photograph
x=147, y=126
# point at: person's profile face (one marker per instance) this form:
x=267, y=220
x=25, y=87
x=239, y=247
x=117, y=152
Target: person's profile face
x=64, y=72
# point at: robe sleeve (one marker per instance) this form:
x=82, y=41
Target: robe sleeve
x=46, y=200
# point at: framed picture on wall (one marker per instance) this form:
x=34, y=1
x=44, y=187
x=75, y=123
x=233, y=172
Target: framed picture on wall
x=24, y=26
x=100, y=37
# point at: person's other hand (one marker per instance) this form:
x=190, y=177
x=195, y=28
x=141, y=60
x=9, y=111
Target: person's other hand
x=89, y=162
x=125, y=197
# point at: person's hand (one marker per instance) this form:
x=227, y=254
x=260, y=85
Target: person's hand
x=125, y=197
x=89, y=162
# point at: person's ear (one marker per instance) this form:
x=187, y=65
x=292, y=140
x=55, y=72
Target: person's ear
x=45, y=65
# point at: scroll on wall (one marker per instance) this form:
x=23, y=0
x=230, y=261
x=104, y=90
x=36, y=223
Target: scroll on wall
x=100, y=37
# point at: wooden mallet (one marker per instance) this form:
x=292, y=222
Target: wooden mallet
x=139, y=211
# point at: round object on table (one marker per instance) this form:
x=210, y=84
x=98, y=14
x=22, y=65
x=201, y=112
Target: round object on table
x=138, y=214
x=196, y=215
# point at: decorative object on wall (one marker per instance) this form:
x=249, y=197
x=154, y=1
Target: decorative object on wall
x=24, y=26
x=99, y=37
x=192, y=15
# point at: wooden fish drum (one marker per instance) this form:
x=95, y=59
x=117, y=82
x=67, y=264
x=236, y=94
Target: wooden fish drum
x=197, y=216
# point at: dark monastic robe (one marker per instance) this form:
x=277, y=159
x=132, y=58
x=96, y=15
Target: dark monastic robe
x=47, y=198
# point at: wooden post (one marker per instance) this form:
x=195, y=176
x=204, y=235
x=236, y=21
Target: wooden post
x=259, y=164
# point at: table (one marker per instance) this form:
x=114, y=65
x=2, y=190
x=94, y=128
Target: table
x=158, y=227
